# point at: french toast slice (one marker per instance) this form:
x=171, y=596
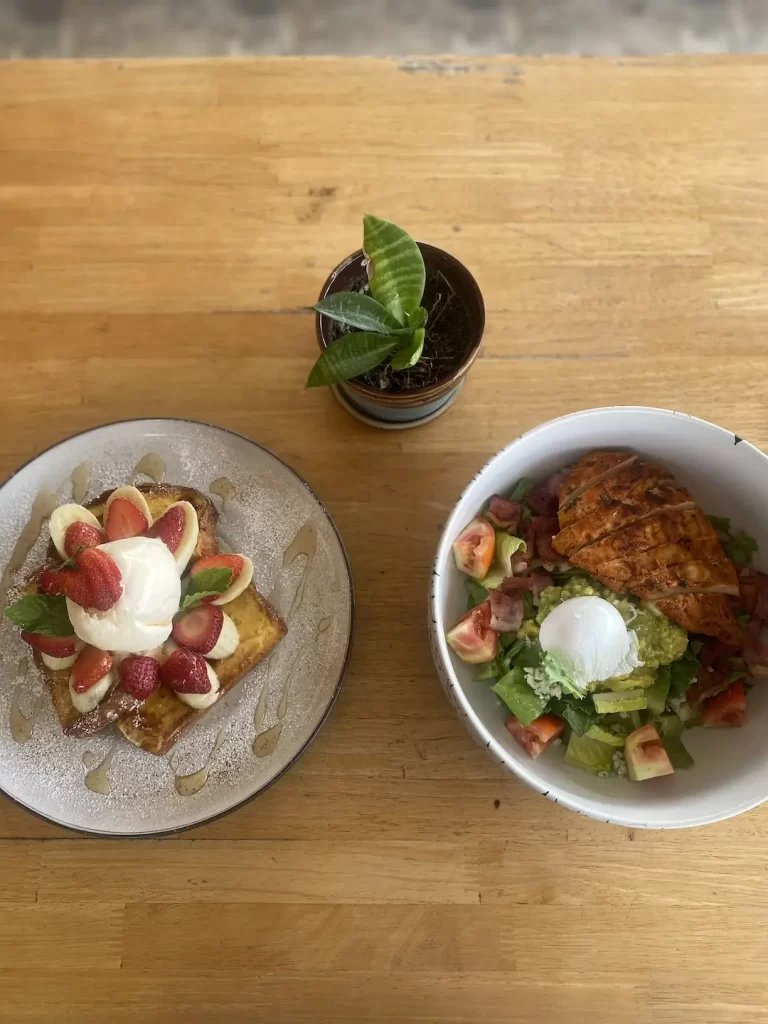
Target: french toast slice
x=157, y=723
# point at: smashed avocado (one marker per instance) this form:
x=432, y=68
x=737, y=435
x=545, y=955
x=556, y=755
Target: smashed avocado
x=659, y=640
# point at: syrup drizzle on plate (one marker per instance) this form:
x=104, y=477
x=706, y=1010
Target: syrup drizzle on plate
x=265, y=742
x=224, y=489
x=42, y=507
x=188, y=785
x=150, y=465
x=22, y=725
x=97, y=777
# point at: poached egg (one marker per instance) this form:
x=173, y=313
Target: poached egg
x=142, y=618
x=590, y=639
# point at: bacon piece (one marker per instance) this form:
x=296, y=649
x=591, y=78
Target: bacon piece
x=756, y=648
x=543, y=497
x=504, y=514
x=507, y=611
x=545, y=527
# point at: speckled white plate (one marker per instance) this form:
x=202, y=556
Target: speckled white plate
x=46, y=773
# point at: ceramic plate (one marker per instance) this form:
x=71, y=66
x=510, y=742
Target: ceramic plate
x=276, y=710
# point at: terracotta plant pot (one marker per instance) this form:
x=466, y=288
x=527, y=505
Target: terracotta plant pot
x=403, y=409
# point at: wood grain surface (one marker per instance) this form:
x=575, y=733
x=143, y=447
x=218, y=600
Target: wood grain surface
x=162, y=227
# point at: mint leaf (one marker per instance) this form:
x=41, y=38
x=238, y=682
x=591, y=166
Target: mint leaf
x=206, y=583
x=39, y=613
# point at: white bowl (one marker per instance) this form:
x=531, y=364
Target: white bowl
x=728, y=477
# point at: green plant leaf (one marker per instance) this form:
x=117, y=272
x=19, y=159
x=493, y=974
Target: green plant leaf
x=409, y=354
x=358, y=310
x=396, y=273
x=349, y=356
x=41, y=613
x=418, y=318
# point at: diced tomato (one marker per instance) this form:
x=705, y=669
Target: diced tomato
x=727, y=708
x=540, y=734
x=472, y=637
x=474, y=547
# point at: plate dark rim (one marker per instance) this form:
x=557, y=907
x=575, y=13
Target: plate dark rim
x=162, y=833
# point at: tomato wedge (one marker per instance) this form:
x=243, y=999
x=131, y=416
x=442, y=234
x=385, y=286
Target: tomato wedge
x=472, y=637
x=726, y=708
x=540, y=734
x=473, y=549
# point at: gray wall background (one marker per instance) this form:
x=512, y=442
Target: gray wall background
x=98, y=28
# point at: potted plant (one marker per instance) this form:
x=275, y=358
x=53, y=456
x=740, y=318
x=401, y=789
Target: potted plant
x=399, y=323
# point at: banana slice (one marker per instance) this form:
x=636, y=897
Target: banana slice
x=57, y=664
x=85, y=702
x=63, y=517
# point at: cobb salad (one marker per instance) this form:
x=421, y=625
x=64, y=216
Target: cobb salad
x=666, y=632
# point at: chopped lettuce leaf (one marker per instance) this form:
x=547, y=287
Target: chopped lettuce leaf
x=511, y=644
x=624, y=700
x=671, y=729
x=682, y=673
x=477, y=593
x=720, y=523
x=613, y=739
x=593, y=755
x=520, y=489
x=657, y=694
x=557, y=672
x=506, y=546
x=518, y=696
x=740, y=548
x=579, y=714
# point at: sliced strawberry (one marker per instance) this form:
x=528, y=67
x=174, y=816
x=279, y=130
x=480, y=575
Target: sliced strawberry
x=55, y=646
x=185, y=672
x=200, y=628
x=139, y=675
x=90, y=668
x=95, y=582
x=124, y=519
x=82, y=535
x=170, y=527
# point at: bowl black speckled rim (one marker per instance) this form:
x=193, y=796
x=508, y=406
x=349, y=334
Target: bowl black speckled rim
x=162, y=833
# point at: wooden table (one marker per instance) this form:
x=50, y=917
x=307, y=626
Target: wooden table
x=162, y=226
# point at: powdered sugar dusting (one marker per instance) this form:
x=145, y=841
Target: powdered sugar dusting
x=269, y=508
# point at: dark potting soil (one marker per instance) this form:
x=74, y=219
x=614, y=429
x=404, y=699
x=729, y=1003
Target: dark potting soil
x=446, y=345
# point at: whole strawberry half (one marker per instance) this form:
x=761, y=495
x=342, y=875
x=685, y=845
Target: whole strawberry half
x=200, y=628
x=185, y=672
x=55, y=646
x=170, y=527
x=94, y=581
x=139, y=675
x=82, y=535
